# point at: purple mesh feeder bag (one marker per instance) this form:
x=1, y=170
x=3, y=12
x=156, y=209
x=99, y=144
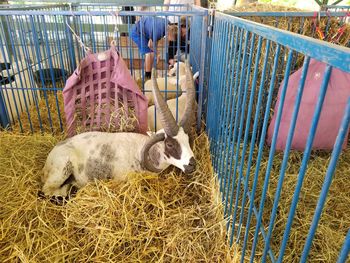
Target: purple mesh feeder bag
x=101, y=95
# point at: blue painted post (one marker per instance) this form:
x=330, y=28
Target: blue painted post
x=177, y=75
x=203, y=48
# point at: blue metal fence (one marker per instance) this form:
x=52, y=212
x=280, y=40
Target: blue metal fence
x=241, y=64
x=248, y=62
x=43, y=50
x=48, y=7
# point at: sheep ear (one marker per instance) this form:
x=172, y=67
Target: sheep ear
x=146, y=163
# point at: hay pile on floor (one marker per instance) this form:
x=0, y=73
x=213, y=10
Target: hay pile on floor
x=52, y=118
x=335, y=220
x=168, y=218
x=49, y=108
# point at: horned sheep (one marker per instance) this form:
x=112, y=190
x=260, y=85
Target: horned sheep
x=176, y=104
x=100, y=155
x=176, y=74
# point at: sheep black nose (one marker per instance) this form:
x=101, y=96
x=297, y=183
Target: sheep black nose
x=191, y=166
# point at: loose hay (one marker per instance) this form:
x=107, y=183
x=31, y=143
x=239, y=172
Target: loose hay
x=335, y=220
x=169, y=218
x=48, y=117
x=150, y=218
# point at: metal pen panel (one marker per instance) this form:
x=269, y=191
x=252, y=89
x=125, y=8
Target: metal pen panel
x=241, y=101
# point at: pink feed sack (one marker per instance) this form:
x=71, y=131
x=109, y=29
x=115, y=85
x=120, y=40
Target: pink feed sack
x=99, y=88
x=338, y=92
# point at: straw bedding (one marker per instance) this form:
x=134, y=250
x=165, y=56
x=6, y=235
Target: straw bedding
x=167, y=218
x=48, y=117
x=150, y=218
x=335, y=220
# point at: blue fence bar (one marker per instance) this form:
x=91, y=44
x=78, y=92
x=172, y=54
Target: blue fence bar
x=49, y=7
x=248, y=63
x=48, y=45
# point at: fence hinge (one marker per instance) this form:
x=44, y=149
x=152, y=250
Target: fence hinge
x=211, y=22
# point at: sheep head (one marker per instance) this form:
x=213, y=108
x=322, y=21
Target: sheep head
x=179, y=68
x=177, y=148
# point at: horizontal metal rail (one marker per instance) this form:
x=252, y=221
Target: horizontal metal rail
x=317, y=49
x=288, y=14
x=102, y=13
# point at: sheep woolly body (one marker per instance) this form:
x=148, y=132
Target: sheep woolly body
x=99, y=155
x=171, y=83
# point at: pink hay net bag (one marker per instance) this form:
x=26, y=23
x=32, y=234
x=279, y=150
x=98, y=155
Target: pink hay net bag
x=338, y=92
x=101, y=95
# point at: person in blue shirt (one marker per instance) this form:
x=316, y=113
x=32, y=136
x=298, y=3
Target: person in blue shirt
x=147, y=30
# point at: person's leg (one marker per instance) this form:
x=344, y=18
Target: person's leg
x=148, y=64
x=142, y=44
x=171, y=51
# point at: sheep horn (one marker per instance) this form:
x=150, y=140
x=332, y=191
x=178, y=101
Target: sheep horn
x=190, y=97
x=146, y=163
x=167, y=119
